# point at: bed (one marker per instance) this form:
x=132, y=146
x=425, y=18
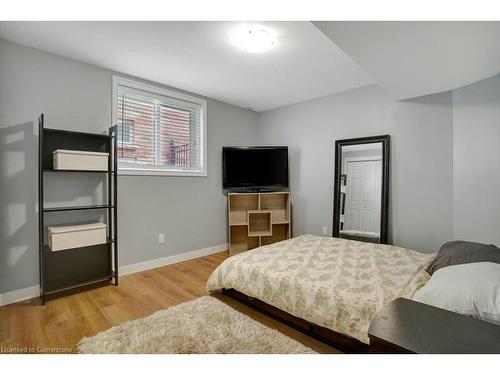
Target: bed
x=331, y=287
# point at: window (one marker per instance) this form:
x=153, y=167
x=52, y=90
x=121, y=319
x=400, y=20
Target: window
x=159, y=132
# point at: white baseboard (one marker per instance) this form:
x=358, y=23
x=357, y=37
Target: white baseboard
x=160, y=262
x=19, y=295
x=34, y=291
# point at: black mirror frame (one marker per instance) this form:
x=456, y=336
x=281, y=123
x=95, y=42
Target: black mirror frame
x=384, y=209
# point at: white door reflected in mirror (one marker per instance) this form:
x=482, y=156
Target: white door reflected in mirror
x=361, y=189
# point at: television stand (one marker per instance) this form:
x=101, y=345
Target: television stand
x=257, y=219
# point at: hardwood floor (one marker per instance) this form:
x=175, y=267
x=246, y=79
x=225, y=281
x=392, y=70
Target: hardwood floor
x=60, y=324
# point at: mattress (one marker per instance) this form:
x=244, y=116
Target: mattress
x=335, y=283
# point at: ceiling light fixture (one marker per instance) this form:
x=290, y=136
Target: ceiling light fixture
x=253, y=39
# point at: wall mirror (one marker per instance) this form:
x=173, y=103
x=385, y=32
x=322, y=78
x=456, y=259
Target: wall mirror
x=361, y=189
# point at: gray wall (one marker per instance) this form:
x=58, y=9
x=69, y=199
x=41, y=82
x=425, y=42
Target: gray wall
x=421, y=158
x=476, y=150
x=77, y=96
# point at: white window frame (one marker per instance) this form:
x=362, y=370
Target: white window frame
x=137, y=85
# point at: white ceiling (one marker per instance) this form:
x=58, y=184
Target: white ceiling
x=407, y=59
x=410, y=59
x=198, y=57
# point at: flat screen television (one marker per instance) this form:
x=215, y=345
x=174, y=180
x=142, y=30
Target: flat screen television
x=255, y=168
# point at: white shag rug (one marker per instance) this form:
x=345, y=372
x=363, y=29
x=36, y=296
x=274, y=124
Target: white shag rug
x=204, y=325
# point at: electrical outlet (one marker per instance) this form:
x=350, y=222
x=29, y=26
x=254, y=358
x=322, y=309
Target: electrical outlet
x=161, y=238
x=325, y=231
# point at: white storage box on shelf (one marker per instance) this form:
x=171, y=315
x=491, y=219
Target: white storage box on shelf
x=69, y=237
x=80, y=160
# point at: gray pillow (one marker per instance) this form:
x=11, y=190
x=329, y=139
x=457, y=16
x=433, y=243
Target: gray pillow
x=461, y=252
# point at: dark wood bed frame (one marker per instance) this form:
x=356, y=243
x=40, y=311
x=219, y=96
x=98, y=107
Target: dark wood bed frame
x=336, y=339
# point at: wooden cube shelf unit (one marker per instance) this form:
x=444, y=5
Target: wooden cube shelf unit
x=257, y=219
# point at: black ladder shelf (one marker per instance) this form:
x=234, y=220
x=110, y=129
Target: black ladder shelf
x=66, y=270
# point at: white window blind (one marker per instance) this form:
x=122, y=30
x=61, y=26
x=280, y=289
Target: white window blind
x=159, y=132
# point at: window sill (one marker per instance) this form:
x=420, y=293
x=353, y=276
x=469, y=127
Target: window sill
x=165, y=173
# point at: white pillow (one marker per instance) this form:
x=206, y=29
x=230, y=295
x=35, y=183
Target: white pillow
x=470, y=289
